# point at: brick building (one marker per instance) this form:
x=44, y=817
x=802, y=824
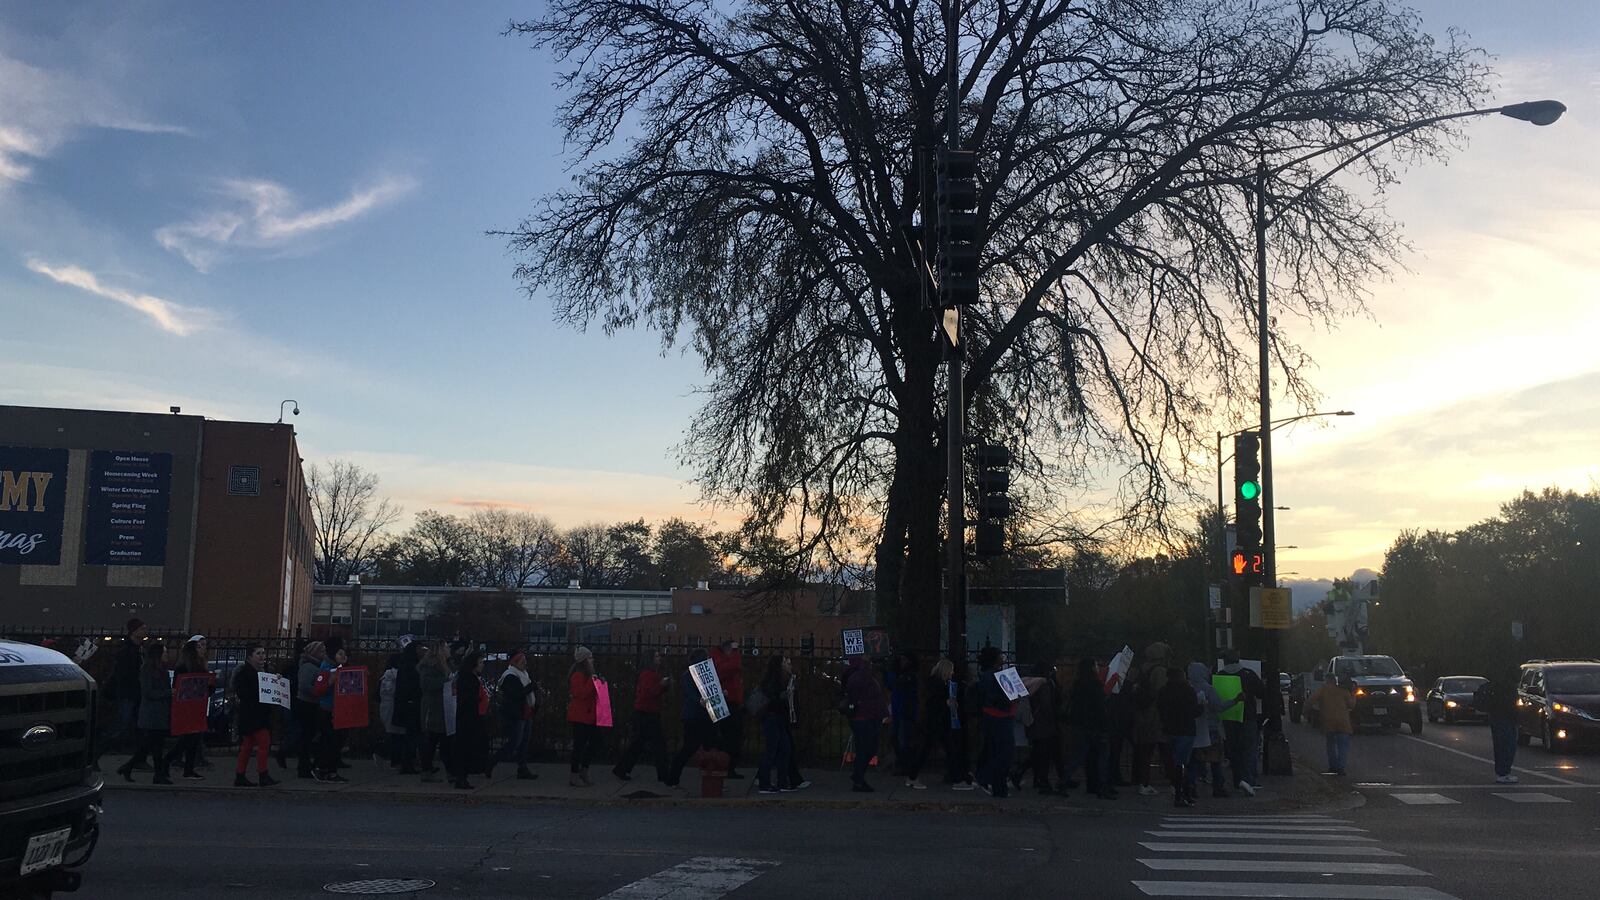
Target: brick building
x=185, y=522
x=704, y=617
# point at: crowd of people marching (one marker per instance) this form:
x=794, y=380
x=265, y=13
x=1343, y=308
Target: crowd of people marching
x=435, y=706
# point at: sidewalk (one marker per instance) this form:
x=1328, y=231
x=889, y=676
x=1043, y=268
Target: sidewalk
x=830, y=789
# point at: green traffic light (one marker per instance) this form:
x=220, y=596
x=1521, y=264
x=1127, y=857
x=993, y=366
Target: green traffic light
x=1249, y=490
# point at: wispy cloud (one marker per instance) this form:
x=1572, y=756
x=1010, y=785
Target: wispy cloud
x=261, y=214
x=170, y=317
x=42, y=109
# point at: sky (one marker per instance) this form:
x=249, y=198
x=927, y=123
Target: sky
x=221, y=207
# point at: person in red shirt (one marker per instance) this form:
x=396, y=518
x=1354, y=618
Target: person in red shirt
x=648, y=696
x=730, y=671
x=580, y=715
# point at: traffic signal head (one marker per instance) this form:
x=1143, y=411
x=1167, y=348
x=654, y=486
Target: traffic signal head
x=1247, y=489
x=956, y=181
x=956, y=195
x=994, y=479
x=1246, y=564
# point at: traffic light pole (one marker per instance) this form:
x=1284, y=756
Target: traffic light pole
x=1269, y=554
x=955, y=408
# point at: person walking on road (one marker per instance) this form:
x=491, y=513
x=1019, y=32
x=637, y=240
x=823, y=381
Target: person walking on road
x=649, y=695
x=1334, y=702
x=998, y=713
x=155, y=714
x=1208, y=735
x=1089, y=722
x=581, y=715
x=1497, y=699
x=254, y=719
x=1148, y=737
x=433, y=679
x=123, y=690
x=1179, y=708
x=1244, y=737
x=772, y=776
x=729, y=660
x=305, y=705
x=329, y=738
x=408, y=705
x=869, y=712
x=901, y=680
x=517, y=702
x=191, y=661
x=471, y=750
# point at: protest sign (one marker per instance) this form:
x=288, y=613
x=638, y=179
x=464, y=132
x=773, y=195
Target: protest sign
x=602, y=703
x=705, y=678
x=1228, y=687
x=350, y=697
x=191, y=699
x=450, y=708
x=854, y=640
x=273, y=689
x=1117, y=670
x=955, y=707
x=1011, y=683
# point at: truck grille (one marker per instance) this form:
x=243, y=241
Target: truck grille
x=63, y=703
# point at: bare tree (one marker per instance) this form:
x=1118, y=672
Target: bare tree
x=747, y=181
x=349, y=517
x=513, y=549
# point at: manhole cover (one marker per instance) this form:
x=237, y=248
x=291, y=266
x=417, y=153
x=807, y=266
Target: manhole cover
x=379, y=886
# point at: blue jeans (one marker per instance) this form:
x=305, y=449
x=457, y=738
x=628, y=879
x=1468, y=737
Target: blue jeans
x=1338, y=751
x=123, y=727
x=775, y=754
x=1503, y=732
x=1092, y=751
x=1244, y=749
x=999, y=747
x=515, y=747
x=866, y=734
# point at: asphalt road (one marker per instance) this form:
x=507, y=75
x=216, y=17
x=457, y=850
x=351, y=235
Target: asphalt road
x=1468, y=839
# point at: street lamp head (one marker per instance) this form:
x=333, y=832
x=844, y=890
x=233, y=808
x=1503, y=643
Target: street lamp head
x=1539, y=112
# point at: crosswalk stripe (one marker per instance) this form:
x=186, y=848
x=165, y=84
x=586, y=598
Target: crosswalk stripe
x=1256, y=835
x=1310, y=820
x=1304, y=866
x=700, y=878
x=1533, y=798
x=1289, y=890
x=1285, y=849
x=1256, y=826
x=1423, y=799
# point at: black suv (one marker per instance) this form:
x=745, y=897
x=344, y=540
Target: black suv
x=1558, y=701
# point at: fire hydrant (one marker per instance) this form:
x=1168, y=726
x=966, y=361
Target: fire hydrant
x=713, y=768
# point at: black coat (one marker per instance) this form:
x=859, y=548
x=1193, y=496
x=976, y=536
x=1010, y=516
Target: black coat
x=1179, y=707
x=1087, y=708
x=253, y=715
x=124, y=682
x=408, y=697
x=472, y=731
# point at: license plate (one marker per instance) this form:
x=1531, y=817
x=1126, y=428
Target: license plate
x=1380, y=712
x=45, y=850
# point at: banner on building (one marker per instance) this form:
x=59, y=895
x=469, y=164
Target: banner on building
x=705, y=678
x=33, y=497
x=350, y=697
x=602, y=703
x=191, y=700
x=125, y=508
x=273, y=689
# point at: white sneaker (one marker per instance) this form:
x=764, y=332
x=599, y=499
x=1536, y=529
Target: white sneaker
x=1146, y=790
x=1506, y=779
x=1248, y=788
x=963, y=786
x=916, y=785
x=802, y=785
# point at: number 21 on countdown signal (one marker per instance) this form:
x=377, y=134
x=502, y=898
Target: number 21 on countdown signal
x=1247, y=563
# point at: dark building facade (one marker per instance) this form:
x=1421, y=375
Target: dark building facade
x=185, y=522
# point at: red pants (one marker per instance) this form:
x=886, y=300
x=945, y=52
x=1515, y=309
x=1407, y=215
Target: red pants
x=262, y=742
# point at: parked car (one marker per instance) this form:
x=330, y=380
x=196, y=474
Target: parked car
x=1385, y=697
x=1451, y=698
x=1558, y=700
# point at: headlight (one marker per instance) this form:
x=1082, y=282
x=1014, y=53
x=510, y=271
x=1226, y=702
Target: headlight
x=1361, y=692
x=1450, y=704
x=1559, y=707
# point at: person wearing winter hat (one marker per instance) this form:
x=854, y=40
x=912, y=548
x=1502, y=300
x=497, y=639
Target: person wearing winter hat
x=517, y=700
x=328, y=738
x=306, y=712
x=254, y=719
x=123, y=689
x=581, y=715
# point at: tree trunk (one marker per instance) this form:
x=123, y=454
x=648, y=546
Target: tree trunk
x=910, y=585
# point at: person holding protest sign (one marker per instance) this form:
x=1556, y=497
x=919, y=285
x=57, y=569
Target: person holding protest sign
x=869, y=712
x=998, y=712
x=472, y=732
x=648, y=696
x=581, y=715
x=155, y=714
x=698, y=733
x=517, y=699
x=191, y=661
x=433, y=679
x=729, y=660
x=254, y=719
x=328, y=738
x=306, y=711
x=1089, y=719
x=942, y=726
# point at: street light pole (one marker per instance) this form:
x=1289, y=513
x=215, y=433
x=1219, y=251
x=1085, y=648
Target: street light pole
x=955, y=407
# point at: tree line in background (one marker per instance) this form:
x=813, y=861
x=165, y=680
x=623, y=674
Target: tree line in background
x=512, y=549
x=1449, y=599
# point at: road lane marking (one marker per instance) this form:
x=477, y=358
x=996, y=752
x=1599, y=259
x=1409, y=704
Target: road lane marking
x=1533, y=798
x=1256, y=835
x=1302, y=866
x=1289, y=890
x=1489, y=762
x=1264, y=827
x=1481, y=786
x=700, y=878
x=1424, y=799
x=1306, y=819
x=1269, y=849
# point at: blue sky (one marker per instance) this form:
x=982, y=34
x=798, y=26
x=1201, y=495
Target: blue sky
x=222, y=206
